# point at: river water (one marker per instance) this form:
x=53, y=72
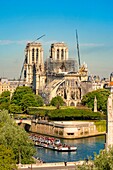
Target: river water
x=85, y=148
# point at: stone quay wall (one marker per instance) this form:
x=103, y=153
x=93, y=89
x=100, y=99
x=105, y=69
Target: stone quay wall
x=64, y=129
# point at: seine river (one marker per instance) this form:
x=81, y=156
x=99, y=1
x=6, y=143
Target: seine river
x=86, y=148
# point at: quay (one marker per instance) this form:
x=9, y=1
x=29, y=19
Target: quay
x=52, y=166
x=61, y=129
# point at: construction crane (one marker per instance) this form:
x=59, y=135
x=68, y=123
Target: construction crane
x=25, y=60
x=78, y=50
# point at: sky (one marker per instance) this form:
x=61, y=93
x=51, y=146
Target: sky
x=23, y=21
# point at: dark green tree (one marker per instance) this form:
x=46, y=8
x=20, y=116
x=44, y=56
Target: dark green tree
x=23, y=98
x=28, y=100
x=40, y=101
x=4, y=100
x=101, y=96
x=57, y=101
x=7, y=158
x=19, y=93
x=13, y=108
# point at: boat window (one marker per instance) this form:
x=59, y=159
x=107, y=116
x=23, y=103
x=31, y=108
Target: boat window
x=70, y=133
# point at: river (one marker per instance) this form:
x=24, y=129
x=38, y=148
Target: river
x=85, y=148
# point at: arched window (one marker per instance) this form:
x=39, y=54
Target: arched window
x=62, y=54
x=33, y=54
x=37, y=55
x=58, y=54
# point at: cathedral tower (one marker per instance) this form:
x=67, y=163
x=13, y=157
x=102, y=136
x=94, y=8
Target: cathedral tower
x=34, y=66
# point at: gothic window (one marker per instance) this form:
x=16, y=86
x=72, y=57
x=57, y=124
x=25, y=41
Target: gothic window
x=37, y=55
x=33, y=54
x=58, y=54
x=62, y=54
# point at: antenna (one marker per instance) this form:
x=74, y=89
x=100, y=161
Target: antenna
x=78, y=50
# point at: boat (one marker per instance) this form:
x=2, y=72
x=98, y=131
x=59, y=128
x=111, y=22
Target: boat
x=52, y=143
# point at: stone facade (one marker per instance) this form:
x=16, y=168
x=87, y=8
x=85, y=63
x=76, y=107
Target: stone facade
x=9, y=85
x=65, y=129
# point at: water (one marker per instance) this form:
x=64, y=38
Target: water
x=85, y=148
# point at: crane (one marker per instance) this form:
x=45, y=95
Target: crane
x=78, y=50
x=25, y=60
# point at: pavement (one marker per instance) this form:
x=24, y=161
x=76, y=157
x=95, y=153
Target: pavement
x=51, y=166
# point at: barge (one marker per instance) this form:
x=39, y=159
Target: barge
x=52, y=143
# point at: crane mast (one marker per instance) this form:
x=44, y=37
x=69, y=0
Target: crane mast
x=78, y=50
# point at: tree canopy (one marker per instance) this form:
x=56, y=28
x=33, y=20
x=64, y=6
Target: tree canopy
x=23, y=98
x=7, y=158
x=4, y=100
x=57, y=101
x=101, y=96
x=15, y=138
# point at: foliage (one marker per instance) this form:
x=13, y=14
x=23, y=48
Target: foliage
x=13, y=108
x=101, y=125
x=7, y=161
x=57, y=101
x=4, y=100
x=14, y=137
x=66, y=114
x=19, y=93
x=40, y=101
x=23, y=98
x=101, y=96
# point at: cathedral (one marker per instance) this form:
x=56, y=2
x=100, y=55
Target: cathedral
x=57, y=76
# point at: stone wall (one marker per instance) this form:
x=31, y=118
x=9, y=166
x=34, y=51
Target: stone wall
x=64, y=130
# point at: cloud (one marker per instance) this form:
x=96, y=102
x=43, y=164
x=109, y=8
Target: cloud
x=8, y=42
x=92, y=45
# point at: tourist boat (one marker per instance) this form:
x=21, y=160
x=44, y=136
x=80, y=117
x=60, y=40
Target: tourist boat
x=52, y=143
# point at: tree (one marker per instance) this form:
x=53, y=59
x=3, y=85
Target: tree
x=23, y=98
x=57, y=101
x=28, y=100
x=102, y=97
x=19, y=93
x=4, y=100
x=40, y=101
x=14, y=137
x=7, y=158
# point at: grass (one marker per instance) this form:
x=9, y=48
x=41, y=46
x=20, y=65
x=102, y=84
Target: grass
x=100, y=125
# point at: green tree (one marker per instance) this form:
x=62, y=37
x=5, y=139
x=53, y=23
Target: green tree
x=57, y=101
x=28, y=100
x=4, y=100
x=102, y=97
x=15, y=137
x=13, y=108
x=19, y=93
x=40, y=101
x=23, y=98
x=7, y=158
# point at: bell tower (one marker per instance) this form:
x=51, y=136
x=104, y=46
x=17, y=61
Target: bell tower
x=34, y=66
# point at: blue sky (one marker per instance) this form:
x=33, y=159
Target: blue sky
x=25, y=20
